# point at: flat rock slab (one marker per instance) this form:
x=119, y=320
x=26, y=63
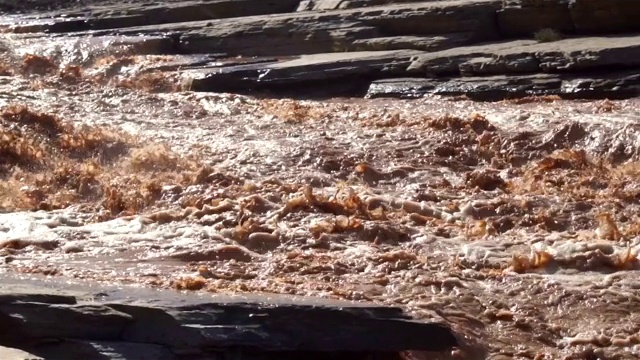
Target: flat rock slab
x=527, y=56
x=493, y=88
x=166, y=323
x=329, y=48
x=320, y=70
x=572, y=67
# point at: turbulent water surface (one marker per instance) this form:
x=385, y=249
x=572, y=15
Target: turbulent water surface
x=515, y=221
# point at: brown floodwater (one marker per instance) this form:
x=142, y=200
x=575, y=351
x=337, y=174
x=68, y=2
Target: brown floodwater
x=515, y=221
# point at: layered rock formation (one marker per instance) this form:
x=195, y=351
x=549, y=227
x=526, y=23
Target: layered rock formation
x=52, y=320
x=342, y=47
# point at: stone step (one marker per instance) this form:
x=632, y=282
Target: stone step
x=319, y=32
x=528, y=56
x=355, y=70
x=317, y=70
x=341, y=47
x=141, y=14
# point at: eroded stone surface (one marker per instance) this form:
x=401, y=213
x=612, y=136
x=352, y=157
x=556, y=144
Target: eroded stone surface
x=126, y=323
x=498, y=87
x=574, y=58
x=452, y=36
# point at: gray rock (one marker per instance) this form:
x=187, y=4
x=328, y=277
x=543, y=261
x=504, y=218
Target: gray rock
x=314, y=5
x=121, y=15
x=425, y=43
x=519, y=59
x=561, y=56
x=126, y=351
x=613, y=85
x=491, y=88
x=332, y=31
x=156, y=326
x=66, y=349
x=40, y=320
x=73, y=349
x=479, y=88
x=338, y=48
x=167, y=324
x=351, y=69
x=246, y=323
x=37, y=298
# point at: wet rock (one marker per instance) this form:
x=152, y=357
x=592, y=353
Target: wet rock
x=78, y=350
x=155, y=326
x=221, y=252
x=337, y=48
x=491, y=88
x=478, y=88
x=263, y=242
x=169, y=323
x=36, y=321
x=485, y=180
x=124, y=351
x=353, y=69
x=39, y=298
x=614, y=85
x=463, y=70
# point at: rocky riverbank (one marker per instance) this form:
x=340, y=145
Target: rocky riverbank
x=485, y=49
x=133, y=196
x=48, y=319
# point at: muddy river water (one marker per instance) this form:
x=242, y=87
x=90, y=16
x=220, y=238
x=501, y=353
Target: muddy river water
x=515, y=221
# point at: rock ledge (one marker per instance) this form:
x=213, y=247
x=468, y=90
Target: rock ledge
x=375, y=48
x=38, y=322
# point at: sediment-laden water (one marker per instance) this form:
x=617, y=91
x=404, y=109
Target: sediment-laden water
x=516, y=221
